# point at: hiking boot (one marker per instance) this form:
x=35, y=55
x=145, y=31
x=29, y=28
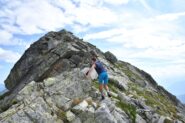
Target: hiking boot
x=108, y=94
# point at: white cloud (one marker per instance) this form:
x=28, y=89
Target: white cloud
x=165, y=74
x=66, y=5
x=142, y=43
x=5, y=37
x=9, y=56
x=144, y=3
x=88, y=13
x=94, y=3
x=104, y=34
x=148, y=33
x=140, y=37
x=30, y=18
x=170, y=16
x=33, y=17
x=95, y=16
x=116, y=2
x=79, y=28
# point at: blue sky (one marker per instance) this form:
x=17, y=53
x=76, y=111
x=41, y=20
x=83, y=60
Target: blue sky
x=147, y=33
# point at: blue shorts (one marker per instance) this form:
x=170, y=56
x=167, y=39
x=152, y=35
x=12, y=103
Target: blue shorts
x=103, y=78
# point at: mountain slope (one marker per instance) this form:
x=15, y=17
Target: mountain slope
x=47, y=85
x=182, y=98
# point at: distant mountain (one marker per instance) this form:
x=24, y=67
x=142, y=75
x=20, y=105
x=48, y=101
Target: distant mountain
x=2, y=87
x=182, y=98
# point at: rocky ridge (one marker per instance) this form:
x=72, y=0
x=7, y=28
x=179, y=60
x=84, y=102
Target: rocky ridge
x=46, y=85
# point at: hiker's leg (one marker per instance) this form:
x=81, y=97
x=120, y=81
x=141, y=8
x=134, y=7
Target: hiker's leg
x=100, y=79
x=106, y=84
x=106, y=87
x=106, y=81
x=101, y=89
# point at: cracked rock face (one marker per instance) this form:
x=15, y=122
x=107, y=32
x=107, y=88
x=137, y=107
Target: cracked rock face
x=50, y=55
x=48, y=85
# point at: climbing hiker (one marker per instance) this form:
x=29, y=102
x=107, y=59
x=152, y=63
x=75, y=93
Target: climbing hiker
x=102, y=76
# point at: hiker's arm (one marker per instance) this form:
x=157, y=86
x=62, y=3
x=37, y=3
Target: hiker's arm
x=92, y=67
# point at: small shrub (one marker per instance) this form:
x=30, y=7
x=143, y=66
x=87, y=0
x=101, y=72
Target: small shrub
x=62, y=115
x=14, y=101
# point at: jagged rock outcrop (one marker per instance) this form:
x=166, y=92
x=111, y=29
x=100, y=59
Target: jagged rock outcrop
x=50, y=55
x=110, y=57
x=47, y=85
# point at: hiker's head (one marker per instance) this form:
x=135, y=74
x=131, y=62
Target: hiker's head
x=93, y=59
x=94, y=53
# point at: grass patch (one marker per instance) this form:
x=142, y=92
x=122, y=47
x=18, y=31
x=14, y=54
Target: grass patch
x=112, y=87
x=124, y=68
x=95, y=84
x=14, y=101
x=115, y=83
x=166, y=107
x=129, y=109
x=115, y=97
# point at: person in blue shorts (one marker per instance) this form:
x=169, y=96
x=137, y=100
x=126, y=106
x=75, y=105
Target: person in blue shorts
x=102, y=76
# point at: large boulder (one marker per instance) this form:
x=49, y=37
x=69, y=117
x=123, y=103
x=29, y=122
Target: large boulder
x=103, y=115
x=110, y=57
x=51, y=55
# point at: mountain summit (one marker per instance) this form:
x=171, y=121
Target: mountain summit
x=47, y=85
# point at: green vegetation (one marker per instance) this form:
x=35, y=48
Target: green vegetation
x=95, y=84
x=112, y=87
x=166, y=107
x=62, y=115
x=168, y=121
x=124, y=68
x=129, y=109
x=158, y=101
x=14, y=101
